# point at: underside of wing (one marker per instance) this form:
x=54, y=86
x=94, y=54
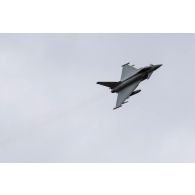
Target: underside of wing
x=125, y=93
x=128, y=71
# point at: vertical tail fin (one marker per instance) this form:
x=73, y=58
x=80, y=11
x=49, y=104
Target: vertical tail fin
x=111, y=85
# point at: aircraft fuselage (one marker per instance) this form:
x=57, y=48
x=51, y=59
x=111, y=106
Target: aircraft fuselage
x=142, y=75
x=130, y=79
x=139, y=76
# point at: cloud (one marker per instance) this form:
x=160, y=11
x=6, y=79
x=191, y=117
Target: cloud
x=53, y=111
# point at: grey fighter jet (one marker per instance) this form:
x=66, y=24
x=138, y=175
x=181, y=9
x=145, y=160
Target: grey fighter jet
x=130, y=79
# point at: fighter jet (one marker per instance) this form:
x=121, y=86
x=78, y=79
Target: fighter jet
x=130, y=79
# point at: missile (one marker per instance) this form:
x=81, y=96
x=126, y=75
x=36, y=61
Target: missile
x=135, y=92
x=125, y=102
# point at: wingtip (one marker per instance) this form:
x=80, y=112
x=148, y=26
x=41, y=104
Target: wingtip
x=126, y=64
x=116, y=107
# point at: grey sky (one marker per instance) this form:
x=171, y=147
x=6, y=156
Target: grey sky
x=53, y=111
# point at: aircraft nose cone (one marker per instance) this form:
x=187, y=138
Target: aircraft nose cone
x=157, y=66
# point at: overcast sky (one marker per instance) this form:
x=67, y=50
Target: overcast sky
x=53, y=111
